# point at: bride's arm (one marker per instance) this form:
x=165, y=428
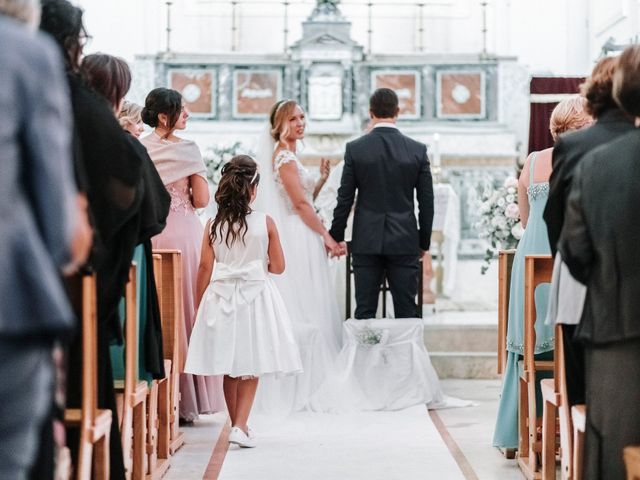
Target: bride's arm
x=293, y=187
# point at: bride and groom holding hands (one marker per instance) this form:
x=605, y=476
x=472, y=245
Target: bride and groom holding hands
x=388, y=171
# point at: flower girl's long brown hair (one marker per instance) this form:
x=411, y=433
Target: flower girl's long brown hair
x=233, y=197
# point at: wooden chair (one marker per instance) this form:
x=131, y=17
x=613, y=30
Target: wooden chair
x=132, y=393
x=556, y=406
x=158, y=404
x=632, y=462
x=172, y=323
x=505, y=263
x=538, y=270
x=94, y=423
x=579, y=419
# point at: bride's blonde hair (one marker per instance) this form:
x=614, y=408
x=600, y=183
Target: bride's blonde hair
x=279, y=118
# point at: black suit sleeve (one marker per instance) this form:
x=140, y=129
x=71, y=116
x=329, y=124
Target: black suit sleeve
x=346, y=195
x=576, y=245
x=558, y=191
x=424, y=189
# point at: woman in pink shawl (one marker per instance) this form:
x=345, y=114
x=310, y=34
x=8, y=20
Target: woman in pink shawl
x=182, y=170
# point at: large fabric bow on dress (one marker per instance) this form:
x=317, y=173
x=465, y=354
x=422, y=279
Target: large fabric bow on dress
x=237, y=285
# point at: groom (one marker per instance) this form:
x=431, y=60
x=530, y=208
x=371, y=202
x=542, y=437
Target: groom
x=386, y=168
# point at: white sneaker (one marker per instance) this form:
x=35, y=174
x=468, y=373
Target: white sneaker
x=238, y=437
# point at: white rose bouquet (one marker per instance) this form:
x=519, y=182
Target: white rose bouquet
x=499, y=221
x=216, y=156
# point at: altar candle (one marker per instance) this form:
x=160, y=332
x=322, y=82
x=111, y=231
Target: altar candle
x=436, y=150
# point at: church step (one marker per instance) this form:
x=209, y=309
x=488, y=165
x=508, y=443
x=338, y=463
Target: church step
x=476, y=365
x=460, y=338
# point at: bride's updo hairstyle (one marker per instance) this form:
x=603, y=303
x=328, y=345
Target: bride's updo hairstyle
x=239, y=177
x=279, y=118
x=162, y=100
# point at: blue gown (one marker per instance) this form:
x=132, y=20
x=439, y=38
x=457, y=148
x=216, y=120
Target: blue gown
x=534, y=241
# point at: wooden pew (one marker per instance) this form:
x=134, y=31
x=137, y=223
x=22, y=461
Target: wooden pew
x=505, y=263
x=538, y=270
x=172, y=321
x=556, y=405
x=132, y=392
x=632, y=462
x=94, y=423
x=579, y=419
x=158, y=404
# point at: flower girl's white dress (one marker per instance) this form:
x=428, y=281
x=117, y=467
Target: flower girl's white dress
x=242, y=327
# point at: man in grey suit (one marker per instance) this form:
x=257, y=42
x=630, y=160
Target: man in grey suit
x=37, y=228
x=386, y=168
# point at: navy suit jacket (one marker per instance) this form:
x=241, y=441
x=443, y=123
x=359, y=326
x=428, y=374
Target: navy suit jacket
x=36, y=184
x=387, y=169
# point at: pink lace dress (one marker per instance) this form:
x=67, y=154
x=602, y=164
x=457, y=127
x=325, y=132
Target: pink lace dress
x=199, y=394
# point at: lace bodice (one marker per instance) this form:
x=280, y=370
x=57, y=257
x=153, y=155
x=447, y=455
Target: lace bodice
x=306, y=178
x=180, y=192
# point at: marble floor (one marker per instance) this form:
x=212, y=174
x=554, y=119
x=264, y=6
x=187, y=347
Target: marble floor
x=411, y=444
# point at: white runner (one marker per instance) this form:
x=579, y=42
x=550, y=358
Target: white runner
x=356, y=446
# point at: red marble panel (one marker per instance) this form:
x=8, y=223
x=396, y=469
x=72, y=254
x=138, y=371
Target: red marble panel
x=197, y=88
x=461, y=94
x=255, y=91
x=406, y=87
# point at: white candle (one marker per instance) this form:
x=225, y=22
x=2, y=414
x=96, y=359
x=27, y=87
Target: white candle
x=436, y=150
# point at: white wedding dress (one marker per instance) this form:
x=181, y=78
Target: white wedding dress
x=308, y=292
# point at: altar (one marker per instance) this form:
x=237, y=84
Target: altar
x=468, y=107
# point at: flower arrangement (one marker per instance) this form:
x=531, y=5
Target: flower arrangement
x=499, y=221
x=216, y=156
x=369, y=336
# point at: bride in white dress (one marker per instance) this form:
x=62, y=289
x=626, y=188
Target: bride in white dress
x=286, y=194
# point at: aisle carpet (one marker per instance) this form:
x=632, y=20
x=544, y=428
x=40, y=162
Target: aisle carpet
x=401, y=445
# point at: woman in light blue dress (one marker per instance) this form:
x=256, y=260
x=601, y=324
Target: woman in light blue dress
x=533, y=191
x=534, y=241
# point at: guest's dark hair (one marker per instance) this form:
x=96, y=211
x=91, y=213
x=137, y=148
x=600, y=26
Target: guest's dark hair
x=384, y=103
x=626, y=81
x=233, y=196
x=108, y=75
x=597, y=87
x=162, y=100
x=63, y=21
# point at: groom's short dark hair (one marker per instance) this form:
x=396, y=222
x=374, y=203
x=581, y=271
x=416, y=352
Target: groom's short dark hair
x=384, y=103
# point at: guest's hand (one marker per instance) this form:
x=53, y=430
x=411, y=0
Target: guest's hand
x=325, y=168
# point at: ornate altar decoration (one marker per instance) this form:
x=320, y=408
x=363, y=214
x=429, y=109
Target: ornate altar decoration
x=471, y=103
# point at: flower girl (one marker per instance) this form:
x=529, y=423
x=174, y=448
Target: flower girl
x=242, y=328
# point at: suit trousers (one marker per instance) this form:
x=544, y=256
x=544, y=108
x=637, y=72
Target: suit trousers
x=26, y=392
x=402, y=273
x=574, y=365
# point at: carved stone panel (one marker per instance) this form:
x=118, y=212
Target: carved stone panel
x=461, y=94
x=406, y=84
x=255, y=91
x=198, y=88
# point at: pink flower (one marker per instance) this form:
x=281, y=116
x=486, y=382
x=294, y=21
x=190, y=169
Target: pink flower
x=511, y=182
x=512, y=211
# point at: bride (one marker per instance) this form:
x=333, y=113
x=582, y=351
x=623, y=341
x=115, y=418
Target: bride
x=286, y=194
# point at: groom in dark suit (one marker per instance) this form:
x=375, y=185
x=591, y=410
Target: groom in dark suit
x=385, y=167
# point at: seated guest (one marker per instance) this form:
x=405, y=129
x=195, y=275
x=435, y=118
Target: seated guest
x=533, y=188
x=568, y=152
x=110, y=77
x=599, y=243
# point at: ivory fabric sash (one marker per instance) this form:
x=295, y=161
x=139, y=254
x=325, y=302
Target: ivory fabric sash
x=174, y=160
